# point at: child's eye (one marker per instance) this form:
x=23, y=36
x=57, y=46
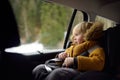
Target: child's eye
x=76, y=34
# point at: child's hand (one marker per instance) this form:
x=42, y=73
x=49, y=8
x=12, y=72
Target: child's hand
x=68, y=62
x=62, y=55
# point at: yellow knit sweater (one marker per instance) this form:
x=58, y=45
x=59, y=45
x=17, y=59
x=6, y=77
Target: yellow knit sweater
x=95, y=61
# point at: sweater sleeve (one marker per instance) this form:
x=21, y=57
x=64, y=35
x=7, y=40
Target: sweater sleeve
x=95, y=61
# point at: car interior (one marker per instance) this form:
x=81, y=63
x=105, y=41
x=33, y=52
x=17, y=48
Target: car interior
x=19, y=67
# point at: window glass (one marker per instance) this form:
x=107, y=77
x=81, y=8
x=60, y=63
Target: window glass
x=41, y=22
x=78, y=19
x=107, y=22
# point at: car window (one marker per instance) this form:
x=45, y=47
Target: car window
x=41, y=24
x=78, y=18
x=107, y=22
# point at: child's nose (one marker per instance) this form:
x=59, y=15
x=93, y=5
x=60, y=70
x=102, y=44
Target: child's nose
x=74, y=38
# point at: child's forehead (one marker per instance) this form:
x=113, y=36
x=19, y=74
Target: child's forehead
x=76, y=31
x=77, y=27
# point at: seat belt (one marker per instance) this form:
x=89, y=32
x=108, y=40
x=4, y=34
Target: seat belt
x=93, y=48
x=86, y=53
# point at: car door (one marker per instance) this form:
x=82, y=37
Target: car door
x=16, y=62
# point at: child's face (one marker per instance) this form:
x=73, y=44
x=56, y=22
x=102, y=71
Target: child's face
x=77, y=37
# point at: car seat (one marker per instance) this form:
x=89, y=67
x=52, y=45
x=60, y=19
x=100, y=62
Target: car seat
x=110, y=42
x=113, y=53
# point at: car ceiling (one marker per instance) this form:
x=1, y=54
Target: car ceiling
x=106, y=8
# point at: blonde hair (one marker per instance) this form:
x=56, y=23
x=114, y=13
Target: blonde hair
x=81, y=27
x=90, y=30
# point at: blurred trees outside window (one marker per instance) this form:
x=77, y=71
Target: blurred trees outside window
x=41, y=21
